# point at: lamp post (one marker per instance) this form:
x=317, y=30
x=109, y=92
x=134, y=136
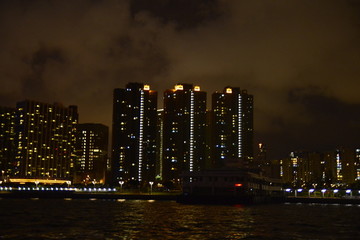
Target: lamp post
x=335, y=191
x=323, y=192
x=311, y=190
x=68, y=183
x=151, y=183
x=300, y=190
x=349, y=191
x=37, y=183
x=121, y=184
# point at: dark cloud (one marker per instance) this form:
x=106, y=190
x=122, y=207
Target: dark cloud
x=184, y=14
x=42, y=59
x=299, y=58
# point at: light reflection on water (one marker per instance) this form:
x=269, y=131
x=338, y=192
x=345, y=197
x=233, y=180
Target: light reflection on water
x=84, y=219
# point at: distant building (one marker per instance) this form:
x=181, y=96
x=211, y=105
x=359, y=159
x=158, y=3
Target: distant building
x=92, y=153
x=357, y=163
x=45, y=140
x=134, y=134
x=232, y=127
x=304, y=168
x=7, y=142
x=184, y=131
x=331, y=169
x=261, y=160
x=346, y=165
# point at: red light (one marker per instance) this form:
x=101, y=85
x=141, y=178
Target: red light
x=238, y=184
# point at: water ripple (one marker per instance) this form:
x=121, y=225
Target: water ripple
x=167, y=220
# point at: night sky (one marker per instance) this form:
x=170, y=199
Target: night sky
x=300, y=59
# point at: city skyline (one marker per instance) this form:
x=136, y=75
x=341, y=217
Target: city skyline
x=298, y=58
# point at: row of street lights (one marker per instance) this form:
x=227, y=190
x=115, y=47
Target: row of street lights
x=122, y=182
x=323, y=191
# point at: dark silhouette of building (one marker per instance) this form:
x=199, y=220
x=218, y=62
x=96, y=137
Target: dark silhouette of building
x=261, y=160
x=7, y=142
x=45, y=140
x=184, y=131
x=134, y=134
x=330, y=171
x=357, y=164
x=92, y=153
x=232, y=128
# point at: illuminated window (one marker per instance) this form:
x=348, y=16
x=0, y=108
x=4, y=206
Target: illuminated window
x=179, y=87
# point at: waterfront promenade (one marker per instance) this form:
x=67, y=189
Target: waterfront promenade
x=112, y=194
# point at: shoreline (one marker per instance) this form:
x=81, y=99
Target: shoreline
x=86, y=195
x=153, y=196
x=325, y=200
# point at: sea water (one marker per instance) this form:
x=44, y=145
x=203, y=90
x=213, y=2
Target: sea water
x=135, y=219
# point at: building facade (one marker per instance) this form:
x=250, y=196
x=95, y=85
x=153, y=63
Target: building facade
x=160, y=144
x=45, y=140
x=92, y=153
x=7, y=142
x=134, y=134
x=232, y=127
x=184, y=131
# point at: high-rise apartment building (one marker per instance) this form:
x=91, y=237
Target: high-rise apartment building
x=134, y=134
x=45, y=140
x=7, y=143
x=160, y=144
x=330, y=167
x=232, y=127
x=184, y=131
x=346, y=165
x=92, y=152
x=357, y=163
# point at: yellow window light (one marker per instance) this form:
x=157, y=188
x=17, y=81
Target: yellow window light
x=146, y=87
x=228, y=90
x=179, y=87
x=197, y=88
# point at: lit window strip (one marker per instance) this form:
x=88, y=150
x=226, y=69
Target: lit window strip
x=239, y=126
x=338, y=167
x=141, y=133
x=191, y=131
x=161, y=145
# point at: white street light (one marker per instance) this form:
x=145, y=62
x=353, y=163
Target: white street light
x=323, y=192
x=151, y=183
x=121, y=184
x=311, y=191
x=349, y=191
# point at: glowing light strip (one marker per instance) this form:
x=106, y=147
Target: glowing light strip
x=338, y=167
x=191, y=160
x=239, y=126
x=141, y=133
x=31, y=180
x=161, y=144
